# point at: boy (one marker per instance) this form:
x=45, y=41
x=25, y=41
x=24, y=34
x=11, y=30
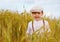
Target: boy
x=38, y=22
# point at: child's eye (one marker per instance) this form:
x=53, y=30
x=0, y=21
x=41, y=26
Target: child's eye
x=35, y=12
x=38, y=12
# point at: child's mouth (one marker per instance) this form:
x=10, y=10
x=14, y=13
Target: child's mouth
x=36, y=17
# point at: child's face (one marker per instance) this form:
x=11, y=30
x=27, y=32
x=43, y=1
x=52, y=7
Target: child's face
x=37, y=15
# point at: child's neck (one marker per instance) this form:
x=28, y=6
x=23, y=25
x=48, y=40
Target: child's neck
x=38, y=19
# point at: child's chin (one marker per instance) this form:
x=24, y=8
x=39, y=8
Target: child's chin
x=37, y=17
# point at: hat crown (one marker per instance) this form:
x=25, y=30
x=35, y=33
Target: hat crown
x=36, y=9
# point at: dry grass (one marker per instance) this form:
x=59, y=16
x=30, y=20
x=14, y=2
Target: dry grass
x=13, y=28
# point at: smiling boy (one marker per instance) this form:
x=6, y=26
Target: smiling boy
x=38, y=22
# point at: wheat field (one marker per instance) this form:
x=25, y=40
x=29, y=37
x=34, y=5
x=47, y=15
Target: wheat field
x=13, y=27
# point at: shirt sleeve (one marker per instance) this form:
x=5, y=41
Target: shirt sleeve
x=29, y=30
x=47, y=27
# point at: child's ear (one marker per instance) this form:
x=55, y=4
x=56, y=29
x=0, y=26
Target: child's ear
x=42, y=12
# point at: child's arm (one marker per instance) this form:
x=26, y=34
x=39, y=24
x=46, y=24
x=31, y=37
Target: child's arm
x=48, y=30
x=29, y=30
x=47, y=27
x=28, y=33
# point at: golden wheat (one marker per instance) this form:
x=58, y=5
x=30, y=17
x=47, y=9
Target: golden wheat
x=13, y=27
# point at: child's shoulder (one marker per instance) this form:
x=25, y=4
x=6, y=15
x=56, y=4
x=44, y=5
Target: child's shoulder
x=30, y=23
x=46, y=22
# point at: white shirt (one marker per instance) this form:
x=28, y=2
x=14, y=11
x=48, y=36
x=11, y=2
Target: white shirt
x=37, y=25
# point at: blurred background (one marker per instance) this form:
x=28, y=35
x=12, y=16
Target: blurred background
x=51, y=7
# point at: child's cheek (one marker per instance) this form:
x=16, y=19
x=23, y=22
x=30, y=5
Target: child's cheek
x=40, y=15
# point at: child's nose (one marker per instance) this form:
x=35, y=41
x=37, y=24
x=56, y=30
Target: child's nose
x=36, y=13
